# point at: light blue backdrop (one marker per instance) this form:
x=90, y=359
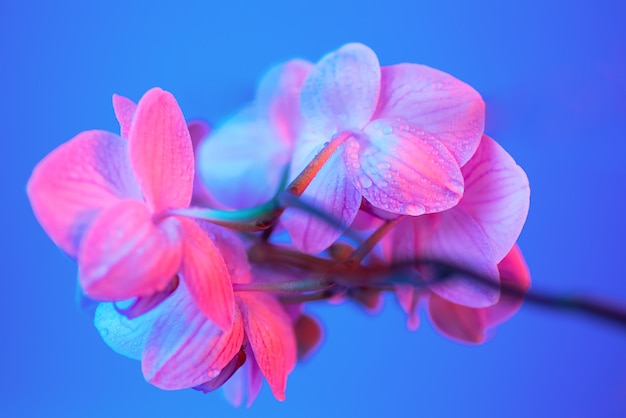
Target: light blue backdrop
x=553, y=74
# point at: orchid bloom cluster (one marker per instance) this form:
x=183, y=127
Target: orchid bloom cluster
x=342, y=180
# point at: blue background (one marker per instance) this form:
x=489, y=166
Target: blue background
x=553, y=74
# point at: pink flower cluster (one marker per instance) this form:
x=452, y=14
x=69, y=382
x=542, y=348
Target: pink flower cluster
x=342, y=180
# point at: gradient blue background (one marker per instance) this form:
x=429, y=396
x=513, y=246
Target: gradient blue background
x=553, y=74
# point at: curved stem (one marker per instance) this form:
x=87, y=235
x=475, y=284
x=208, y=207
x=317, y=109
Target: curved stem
x=300, y=183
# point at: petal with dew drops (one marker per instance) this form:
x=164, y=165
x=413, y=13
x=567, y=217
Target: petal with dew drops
x=514, y=275
x=497, y=195
x=184, y=349
x=402, y=170
x=342, y=89
x=124, y=112
x=455, y=238
x=124, y=336
x=271, y=337
x=457, y=322
x=206, y=275
x=333, y=195
x=161, y=153
x=125, y=254
x=435, y=102
x=76, y=181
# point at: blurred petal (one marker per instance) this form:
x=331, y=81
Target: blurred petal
x=271, y=337
x=342, y=89
x=435, y=102
x=278, y=96
x=124, y=336
x=409, y=298
x=124, y=111
x=184, y=349
x=456, y=238
x=515, y=275
x=246, y=383
x=496, y=195
x=309, y=335
x=332, y=193
x=125, y=254
x=457, y=322
x=198, y=130
x=161, y=152
x=206, y=275
x=76, y=181
x=247, y=151
x=402, y=170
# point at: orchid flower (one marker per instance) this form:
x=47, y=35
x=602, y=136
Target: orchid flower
x=405, y=131
x=104, y=200
x=254, y=147
x=476, y=234
x=180, y=347
x=466, y=324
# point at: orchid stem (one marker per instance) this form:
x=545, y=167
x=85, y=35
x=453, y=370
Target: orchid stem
x=300, y=183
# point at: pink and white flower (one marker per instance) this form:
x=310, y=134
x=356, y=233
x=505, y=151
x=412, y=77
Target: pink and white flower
x=105, y=199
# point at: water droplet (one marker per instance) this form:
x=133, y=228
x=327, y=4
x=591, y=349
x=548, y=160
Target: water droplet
x=356, y=165
x=104, y=332
x=414, y=209
x=384, y=166
x=387, y=129
x=213, y=373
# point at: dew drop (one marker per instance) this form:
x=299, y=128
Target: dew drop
x=104, y=332
x=213, y=373
x=414, y=209
x=384, y=166
x=387, y=129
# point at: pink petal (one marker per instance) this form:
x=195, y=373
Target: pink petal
x=232, y=249
x=124, y=112
x=246, y=383
x=409, y=298
x=496, y=195
x=198, y=130
x=342, y=90
x=456, y=238
x=457, y=322
x=331, y=193
x=278, y=96
x=76, y=181
x=271, y=337
x=401, y=170
x=125, y=254
x=185, y=349
x=435, y=102
x=247, y=151
x=206, y=275
x=515, y=275
x=161, y=152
